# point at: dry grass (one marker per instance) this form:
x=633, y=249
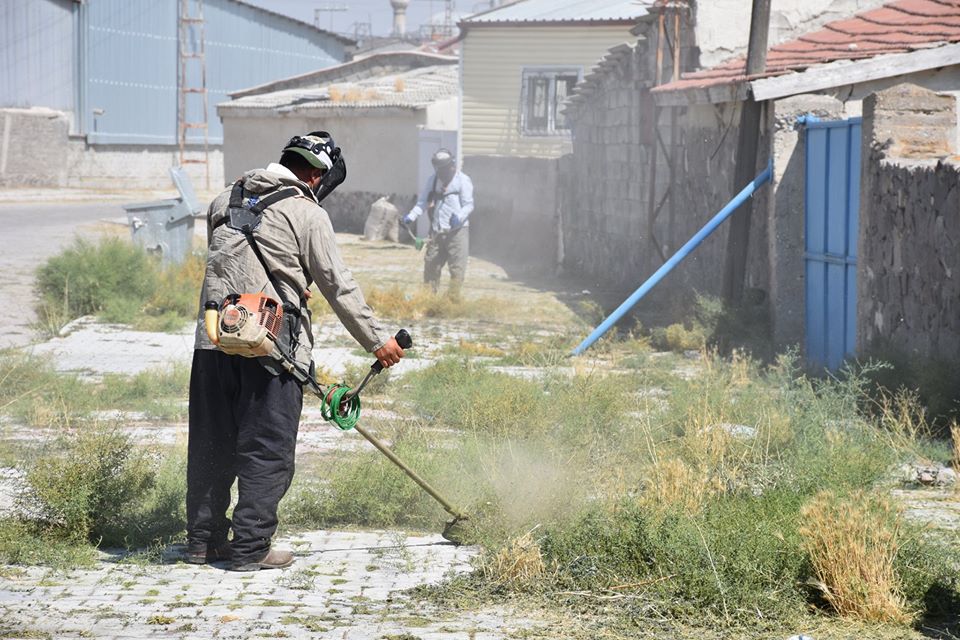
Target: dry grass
x=903, y=418
x=399, y=303
x=852, y=544
x=517, y=564
x=676, y=484
x=478, y=349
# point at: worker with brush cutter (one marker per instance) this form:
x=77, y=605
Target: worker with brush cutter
x=447, y=198
x=268, y=240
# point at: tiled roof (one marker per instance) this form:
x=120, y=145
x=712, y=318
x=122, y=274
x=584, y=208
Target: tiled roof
x=410, y=89
x=897, y=27
x=551, y=11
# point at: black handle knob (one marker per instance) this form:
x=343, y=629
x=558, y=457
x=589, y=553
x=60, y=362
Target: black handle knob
x=403, y=339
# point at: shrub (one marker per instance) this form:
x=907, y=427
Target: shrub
x=112, y=276
x=95, y=486
x=175, y=298
x=118, y=282
x=852, y=543
x=87, y=488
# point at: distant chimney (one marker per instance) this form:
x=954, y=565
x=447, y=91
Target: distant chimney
x=399, y=16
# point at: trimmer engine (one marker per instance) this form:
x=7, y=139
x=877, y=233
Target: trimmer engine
x=247, y=324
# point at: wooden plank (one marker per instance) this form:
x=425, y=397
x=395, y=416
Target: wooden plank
x=840, y=73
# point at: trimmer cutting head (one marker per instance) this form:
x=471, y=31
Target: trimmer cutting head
x=454, y=530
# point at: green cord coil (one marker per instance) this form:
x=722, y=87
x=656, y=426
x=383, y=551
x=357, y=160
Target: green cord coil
x=330, y=407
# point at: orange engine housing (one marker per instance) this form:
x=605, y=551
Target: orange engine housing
x=249, y=324
x=266, y=312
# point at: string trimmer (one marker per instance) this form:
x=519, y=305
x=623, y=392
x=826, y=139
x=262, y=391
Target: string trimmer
x=341, y=405
x=248, y=325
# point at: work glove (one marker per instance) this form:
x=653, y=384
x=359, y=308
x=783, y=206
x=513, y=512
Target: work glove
x=407, y=219
x=454, y=221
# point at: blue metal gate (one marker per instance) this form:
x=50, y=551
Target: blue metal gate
x=832, y=205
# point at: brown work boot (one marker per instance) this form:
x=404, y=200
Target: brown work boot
x=210, y=554
x=274, y=559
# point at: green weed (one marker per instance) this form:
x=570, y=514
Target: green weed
x=118, y=282
x=96, y=486
x=693, y=502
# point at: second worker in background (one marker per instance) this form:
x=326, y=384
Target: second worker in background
x=447, y=198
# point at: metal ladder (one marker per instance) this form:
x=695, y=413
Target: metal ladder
x=188, y=50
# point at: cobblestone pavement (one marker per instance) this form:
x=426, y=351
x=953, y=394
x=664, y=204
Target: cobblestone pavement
x=344, y=585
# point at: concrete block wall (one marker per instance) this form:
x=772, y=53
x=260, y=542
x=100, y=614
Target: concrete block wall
x=909, y=247
x=606, y=187
x=36, y=150
x=33, y=148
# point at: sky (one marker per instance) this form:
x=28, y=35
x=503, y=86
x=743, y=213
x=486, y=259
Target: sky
x=377, y=12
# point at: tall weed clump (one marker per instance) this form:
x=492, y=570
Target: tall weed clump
x=110, y=277
x=852, y=544
x=96, y=486
x=119, y=282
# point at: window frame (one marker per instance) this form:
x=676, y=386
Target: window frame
x=551, y=72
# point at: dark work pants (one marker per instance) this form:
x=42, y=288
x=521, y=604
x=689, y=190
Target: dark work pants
x=243, y=427
x=451, y=248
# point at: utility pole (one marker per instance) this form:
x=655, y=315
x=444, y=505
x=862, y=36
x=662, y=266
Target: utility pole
x=738, y=240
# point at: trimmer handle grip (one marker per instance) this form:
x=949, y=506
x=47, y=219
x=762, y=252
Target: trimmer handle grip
x=405, y=342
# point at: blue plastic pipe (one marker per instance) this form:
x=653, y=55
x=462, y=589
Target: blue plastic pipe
x=675, y=259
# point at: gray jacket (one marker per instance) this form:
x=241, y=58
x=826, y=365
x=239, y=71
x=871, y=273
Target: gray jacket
x=298, y=244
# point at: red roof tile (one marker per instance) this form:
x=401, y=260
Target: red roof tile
x=897, y=27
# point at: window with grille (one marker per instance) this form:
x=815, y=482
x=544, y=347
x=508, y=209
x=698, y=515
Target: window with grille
x=543, y=98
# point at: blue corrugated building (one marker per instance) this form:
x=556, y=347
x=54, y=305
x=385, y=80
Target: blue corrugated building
x=112, y=65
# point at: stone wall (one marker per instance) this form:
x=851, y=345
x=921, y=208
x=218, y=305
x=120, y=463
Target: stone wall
x=24, y=135
x=605, y=193
x=605, y=185
x=909, y=258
